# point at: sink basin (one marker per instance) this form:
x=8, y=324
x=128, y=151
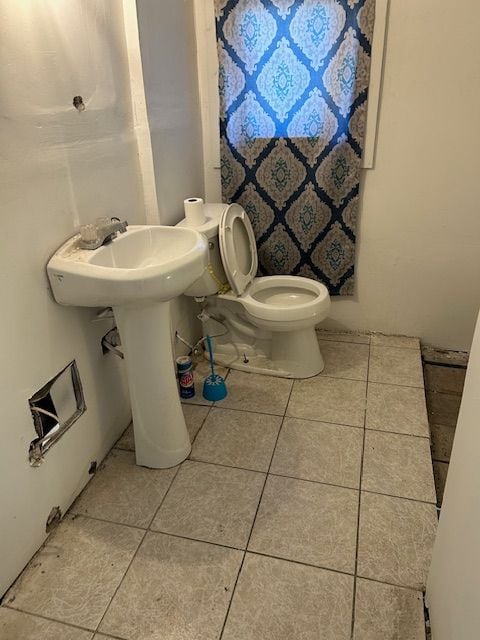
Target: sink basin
x=144, y=263
x=137, y=274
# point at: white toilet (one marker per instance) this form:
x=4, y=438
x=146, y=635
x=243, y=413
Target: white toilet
x=262, y=325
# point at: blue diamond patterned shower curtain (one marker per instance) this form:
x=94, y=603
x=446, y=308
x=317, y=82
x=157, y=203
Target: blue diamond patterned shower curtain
x=293, y=81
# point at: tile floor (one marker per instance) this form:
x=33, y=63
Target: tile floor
x=306, y=510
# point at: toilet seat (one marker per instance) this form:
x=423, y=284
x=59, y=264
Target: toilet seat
x=238, y=248
x=280, y=300
x=285, y=298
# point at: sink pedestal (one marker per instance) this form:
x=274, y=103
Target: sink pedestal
x=161, y=436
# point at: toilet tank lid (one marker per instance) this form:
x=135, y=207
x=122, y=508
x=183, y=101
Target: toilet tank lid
x=213, y=213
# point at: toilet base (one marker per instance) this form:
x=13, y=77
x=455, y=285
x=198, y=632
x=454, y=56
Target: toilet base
x=286, y=355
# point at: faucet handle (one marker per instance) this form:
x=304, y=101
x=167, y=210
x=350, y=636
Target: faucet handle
x=89, y=233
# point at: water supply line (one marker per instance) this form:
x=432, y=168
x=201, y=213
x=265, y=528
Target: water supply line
x=202, y=316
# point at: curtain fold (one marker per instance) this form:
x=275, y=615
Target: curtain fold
x=293, y=83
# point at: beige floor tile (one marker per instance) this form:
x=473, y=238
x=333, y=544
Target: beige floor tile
x=395, y=540
x=442, y=442
x=443, y=408
x=328, y=400
x=404, y=342
x=194, y=417
x=393, y=365
x=319, y=451
x=174, y=588
x=278, y=600
x=345, y=360
x=237, y=439
x=123, y=492
x=396, y=409
x=200, y=371
x=440, y=472
x=254, y=392
x=15, y=625
x=444, y=379
x=215, y=504
x=308, y=522
x=398, y=465
x=343, y=336
x=127, y=440
x=383, y=612
x=75, y=574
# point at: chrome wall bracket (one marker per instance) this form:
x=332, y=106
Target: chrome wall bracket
x=54, y=408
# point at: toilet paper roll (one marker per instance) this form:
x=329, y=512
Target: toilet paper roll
x=194, y=212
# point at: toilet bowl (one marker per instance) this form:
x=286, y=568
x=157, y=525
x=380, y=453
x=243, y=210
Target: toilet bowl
x=260, y=324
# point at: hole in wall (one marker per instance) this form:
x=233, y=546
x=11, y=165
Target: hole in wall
x=78, y=103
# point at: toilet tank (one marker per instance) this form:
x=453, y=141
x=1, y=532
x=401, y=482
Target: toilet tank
x=213, y=278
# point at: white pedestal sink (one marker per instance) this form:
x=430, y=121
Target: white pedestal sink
x=137, y=274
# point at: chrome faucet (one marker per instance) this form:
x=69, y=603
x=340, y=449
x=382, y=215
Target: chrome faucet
x=102, y=232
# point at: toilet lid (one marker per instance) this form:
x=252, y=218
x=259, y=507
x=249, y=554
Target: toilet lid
x=238, y=248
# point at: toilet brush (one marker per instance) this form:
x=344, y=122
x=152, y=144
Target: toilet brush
x=214, y=387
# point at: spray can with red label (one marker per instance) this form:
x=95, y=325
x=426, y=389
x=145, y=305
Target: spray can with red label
x=185, y=376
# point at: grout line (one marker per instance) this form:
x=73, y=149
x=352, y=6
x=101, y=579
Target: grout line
x=226, y=466
x=164, y=497
x=44, y=617
x=121, y=582
x=327, y=484
x=255, y=517
x=357, y=542
x=261, y=413
x=389, y=495
x=399, y=433
x=76, y=515
x=391, y=584
x=300, y=562
x=401, y=386
x=199, y=429
x=191, y=539
x=136, y=551
x=286, y=415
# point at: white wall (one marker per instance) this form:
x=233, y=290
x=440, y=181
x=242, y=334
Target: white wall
x=59, y=168
x=419, y=235
x=454, y=581
x=168, y=51
x=418, y=250
x=167, y=43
